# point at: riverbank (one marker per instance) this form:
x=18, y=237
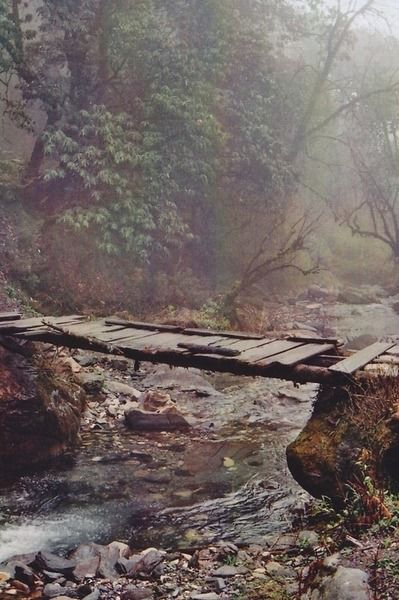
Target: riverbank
x=222, y=481
x=322, y=563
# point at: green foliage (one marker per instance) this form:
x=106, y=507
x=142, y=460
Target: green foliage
x=211, y=316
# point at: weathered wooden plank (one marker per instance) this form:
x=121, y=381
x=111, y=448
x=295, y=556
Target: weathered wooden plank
x=126, y=334
x=179, y=329
x=164, y=341
x=358, y=360
x=244, y=345
x=228, y=334
x=25, y=324
x=314, y=340
x=296, y=355
x=10, y=316
x=266, y=350
x=140, y=325
x=92, y=328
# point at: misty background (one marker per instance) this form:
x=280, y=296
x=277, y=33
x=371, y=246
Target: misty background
x=197, y=154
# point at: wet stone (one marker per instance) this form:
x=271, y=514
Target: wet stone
x=87, y=568
x=84, y=590
x=133, y=592
x=95, y=595
x=159, y=478
x=52, y=590
x=51, y=562
x=20, y=571
x=217, y=583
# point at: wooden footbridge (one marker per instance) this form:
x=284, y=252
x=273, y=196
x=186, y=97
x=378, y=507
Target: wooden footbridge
x=298, y=359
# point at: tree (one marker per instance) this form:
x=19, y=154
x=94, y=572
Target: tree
x=374, y=147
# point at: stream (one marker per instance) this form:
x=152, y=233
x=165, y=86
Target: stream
x=122, y=485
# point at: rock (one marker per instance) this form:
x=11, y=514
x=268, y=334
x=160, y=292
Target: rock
x=109, y=556
x=94, y=595
x=122, y=548
x=307, y=539
x=139, y=420
x=92, y=383
x=358, y=296
x=185, y=380
x=87, y=568
x=128, y=566
x=345, y=426
x=16, y=569
x=54, y=590
x=217, y=583
x=84, y=590
x=395, y=307
x=206, y=596
x=344, y=584
x=362, y=341
x=50, y=576
x=275, y=569
x=117, y=387
x=85, y=359
x=154, y=401
x=40, y=411
x=51, y=562
x=161, y=477
x=133, y=592
x=21, y=587
x=87, y=560
x=62, y=598
x=119, y=364
x=229, y=571
x=317, y=292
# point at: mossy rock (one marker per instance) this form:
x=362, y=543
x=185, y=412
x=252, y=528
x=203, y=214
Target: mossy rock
x=350, y=431
x=40, y=411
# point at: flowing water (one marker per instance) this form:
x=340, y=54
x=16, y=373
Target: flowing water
x=118, y=484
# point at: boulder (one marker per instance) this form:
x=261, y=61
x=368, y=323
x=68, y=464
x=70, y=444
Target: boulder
x=117, y=387
x=358, y=296
x=344, y=584
x=140, y=420
x=347, y=433
x=40, y=410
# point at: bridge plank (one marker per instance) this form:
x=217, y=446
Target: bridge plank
x=167, y=341
x=244, y=345
x=140, y=325
x=35, y=322
x=296, y=355
x=228, y=334
x=360, y=359
x=10, y=316
x=267, y=349
x=125, y=334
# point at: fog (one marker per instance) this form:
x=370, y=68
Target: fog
x=196, y=156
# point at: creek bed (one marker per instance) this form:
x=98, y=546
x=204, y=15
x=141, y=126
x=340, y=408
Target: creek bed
x=107, y=490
